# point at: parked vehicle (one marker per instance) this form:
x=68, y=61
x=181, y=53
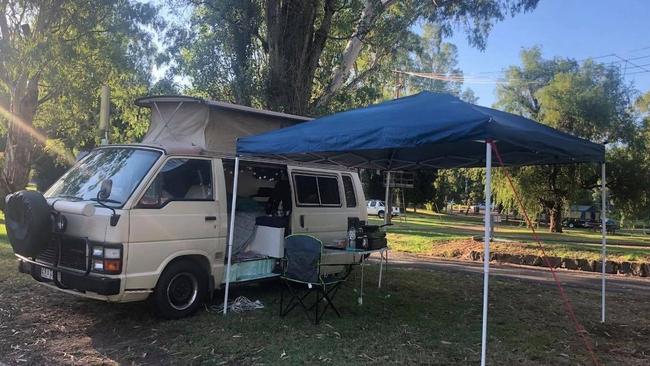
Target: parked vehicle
x=377, y=207
x=150, y=221
x=574, y=223
x=480, y=207
x=610, y=225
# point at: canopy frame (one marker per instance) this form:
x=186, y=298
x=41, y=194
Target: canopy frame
x=532, y=144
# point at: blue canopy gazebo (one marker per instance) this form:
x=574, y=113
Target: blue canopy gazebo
x=426, y=131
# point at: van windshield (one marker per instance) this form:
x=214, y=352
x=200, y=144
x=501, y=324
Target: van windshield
x=124, y=166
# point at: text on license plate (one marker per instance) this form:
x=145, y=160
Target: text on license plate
x=47, y=273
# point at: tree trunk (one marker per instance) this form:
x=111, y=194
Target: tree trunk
x=555, y=204
x=555, y=217
x=23, y=101
x=294, y=49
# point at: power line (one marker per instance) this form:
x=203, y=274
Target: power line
x=633, y=64
x=632, y=58
x=477, y=78
x=636, y=73
x=639, y=49
x=613, y=54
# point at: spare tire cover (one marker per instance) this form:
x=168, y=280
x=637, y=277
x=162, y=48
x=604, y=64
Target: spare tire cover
x=28, y=222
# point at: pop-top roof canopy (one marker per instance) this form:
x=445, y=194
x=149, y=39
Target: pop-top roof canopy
x=425, y=130
x=210, y=125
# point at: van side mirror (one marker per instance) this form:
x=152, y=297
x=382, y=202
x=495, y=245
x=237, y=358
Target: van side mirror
x=105, y=189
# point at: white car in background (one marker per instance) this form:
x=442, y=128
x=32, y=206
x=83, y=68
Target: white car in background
x=378, y=207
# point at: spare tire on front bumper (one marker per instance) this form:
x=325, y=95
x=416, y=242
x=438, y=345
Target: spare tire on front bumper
x=28, y=221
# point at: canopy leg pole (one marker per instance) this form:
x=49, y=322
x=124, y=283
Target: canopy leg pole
x=486, y=244
x=387, y=207
x=603, y=219
x=231, y=233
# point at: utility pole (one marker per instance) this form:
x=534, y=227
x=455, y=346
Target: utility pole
x=398, y=83
x=104, y=115
x=388, y=215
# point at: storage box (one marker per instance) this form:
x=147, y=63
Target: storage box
x=252, y=269
x=268, y=241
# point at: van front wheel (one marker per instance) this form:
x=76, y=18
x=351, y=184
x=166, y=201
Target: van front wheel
x=380, y=214
x=180, y=290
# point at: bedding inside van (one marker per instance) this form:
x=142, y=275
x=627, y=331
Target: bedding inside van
x=262, y=190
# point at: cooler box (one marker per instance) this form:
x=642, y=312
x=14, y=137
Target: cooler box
x=268, y=238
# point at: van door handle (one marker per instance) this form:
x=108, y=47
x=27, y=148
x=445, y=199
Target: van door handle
x=210, y=218
x=302, y=221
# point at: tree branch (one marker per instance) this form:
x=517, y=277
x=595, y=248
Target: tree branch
x=321, y=35
x=368, y=17
x=4, y=27
x=82, y=35
x=49, y=96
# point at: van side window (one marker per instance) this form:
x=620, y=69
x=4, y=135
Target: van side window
x=348, y=187
x=180, y=180
x=312, y=190
x=328, y=188
x=307, y=189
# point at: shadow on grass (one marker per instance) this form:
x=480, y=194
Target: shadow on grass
x=419, y=317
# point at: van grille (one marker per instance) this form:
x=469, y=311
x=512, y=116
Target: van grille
x=50, y=254
x=73, y=253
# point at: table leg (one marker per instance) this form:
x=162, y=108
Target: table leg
x=386, y=253
x=360, y=300
x=381, y=267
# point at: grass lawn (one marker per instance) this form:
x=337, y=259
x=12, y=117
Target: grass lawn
x=423, y=232
x=420, y=317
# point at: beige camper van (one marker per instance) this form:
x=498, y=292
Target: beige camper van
x=150, y=220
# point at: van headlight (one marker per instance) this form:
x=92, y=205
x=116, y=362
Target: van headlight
x=107, y=259
x=60, y=223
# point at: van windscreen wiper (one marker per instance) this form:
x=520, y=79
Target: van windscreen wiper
x=69, y=197
x=108, y=200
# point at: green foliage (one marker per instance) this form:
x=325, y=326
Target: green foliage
x=54, y=57
x=629, y=169
x=588, y=100
x=591, y=102
x=436, y=56
x=373, y=185
x=319, y=56
x=115, y=49
x=463, y=186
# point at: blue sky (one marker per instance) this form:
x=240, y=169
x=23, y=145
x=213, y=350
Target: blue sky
x=567, y=28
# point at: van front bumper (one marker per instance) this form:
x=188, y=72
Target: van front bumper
x=70, y=280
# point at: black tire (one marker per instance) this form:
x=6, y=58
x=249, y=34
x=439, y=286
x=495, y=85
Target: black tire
x=29, y=222
x=180, y=290
x=571, y=225
x=380, y=214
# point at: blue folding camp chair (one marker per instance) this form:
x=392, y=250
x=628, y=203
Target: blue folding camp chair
x=302, y=275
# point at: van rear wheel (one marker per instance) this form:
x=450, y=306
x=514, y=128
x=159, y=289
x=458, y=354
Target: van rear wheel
x=380, y=214
x=180, y=290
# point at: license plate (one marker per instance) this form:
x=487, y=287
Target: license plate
x=47, y=273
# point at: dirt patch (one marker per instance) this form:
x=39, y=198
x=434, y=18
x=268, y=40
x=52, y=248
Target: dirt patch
x=460, y=249
x=40, y=326
x=527, y=254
